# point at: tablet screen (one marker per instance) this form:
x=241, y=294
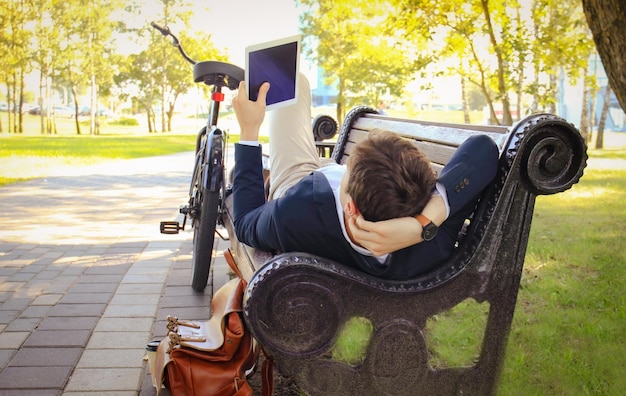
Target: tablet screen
x=277, y=62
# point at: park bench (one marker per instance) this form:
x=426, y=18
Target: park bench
x=296, y=304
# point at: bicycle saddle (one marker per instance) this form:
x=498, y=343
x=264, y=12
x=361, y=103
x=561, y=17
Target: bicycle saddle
x=218, y=73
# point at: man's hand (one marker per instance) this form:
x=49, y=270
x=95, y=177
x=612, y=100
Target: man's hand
x=250, y=114
x=387, y=236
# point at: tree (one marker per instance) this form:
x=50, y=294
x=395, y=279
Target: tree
x=70, y=20
x=498, y=49
x=602, y=122
x=158, y=75
x=464, y=33
x=561, y=43
x=72, y=47
x=136, y=81
x=168, y=69
x=178, y=76
x=141, y=76
x=14, y=58
x=348, y=40
x=96, y=30
x=171, y=73
x=464, y=28
x=46, y=46
x=606, y=19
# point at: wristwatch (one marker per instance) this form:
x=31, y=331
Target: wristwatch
x=429, y=229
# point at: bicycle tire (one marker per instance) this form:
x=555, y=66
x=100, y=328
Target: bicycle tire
x=204, y=240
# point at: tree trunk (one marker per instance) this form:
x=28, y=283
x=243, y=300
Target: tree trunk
x=584, y=114
x=520, y=90
x=94, y=127
x=8, y=85
x=11, y=105
x=170, y=113
x=75, y=95
x=602, y=121
x=163, y=115
x=466, y=115
x=552, y=90
x=340, y=104
x=606, y=19
x=149, y=119
x=20, y=115
x=41, y=102
x=502, y=88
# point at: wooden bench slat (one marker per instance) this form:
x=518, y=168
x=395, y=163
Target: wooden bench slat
x=437, y=153
x=447, y=134
x=498, y=129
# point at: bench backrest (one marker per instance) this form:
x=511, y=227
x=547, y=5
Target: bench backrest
x=438, y=141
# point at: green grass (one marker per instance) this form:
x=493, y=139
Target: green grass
x=569, y=329
x=352, y=342
x=10, y=180
x=27, y=156
x=24, y=157
x=96, y=147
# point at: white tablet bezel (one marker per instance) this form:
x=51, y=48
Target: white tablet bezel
x=270, y=44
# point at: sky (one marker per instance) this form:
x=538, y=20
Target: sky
x=235, y=24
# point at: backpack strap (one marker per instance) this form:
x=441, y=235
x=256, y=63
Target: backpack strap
x=228, y=255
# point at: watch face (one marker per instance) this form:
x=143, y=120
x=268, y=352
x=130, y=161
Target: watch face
x=429, y=232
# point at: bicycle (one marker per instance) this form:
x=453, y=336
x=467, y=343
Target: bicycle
x=206, y=207
x=206, y=194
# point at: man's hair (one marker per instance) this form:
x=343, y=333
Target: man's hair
x=389, y=177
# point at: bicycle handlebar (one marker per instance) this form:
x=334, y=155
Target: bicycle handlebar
x=166, y=32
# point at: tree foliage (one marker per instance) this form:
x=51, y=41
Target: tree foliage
x=72, y=46
x=158, y=75
x=494, y=44
x=514, y=53
x=14, y=57
x=346, y=40
x=67, y=42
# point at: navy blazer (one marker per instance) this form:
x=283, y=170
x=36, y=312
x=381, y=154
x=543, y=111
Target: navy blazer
x=305, y=218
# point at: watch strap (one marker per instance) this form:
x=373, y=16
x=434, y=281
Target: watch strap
x=429, y=229
x=423, y=220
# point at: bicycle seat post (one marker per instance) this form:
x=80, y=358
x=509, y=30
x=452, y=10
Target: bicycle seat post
x=216, y=98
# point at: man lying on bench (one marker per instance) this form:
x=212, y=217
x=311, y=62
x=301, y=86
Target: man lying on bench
x=314, y=202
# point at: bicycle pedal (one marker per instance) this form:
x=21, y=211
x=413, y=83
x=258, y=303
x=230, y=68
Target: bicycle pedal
x=170, y=227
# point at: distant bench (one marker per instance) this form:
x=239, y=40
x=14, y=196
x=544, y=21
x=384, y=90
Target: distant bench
x=296, y=304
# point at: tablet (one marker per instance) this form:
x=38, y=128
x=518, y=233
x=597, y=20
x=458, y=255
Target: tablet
x=275, y=61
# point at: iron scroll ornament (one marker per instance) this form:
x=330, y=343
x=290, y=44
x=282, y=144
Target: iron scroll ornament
x=552, y=152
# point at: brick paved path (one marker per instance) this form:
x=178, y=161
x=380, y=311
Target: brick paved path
x=86, y=279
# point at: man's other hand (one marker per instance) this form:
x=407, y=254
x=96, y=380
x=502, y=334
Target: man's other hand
x=250, y=114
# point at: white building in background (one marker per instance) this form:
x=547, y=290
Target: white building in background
x=570, y=102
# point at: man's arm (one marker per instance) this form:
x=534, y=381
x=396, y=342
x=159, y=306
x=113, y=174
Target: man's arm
x=251, y=212
x=474, y=164
x=253, y=218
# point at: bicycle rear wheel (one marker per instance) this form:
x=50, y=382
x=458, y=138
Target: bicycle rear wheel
x=204, y=239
